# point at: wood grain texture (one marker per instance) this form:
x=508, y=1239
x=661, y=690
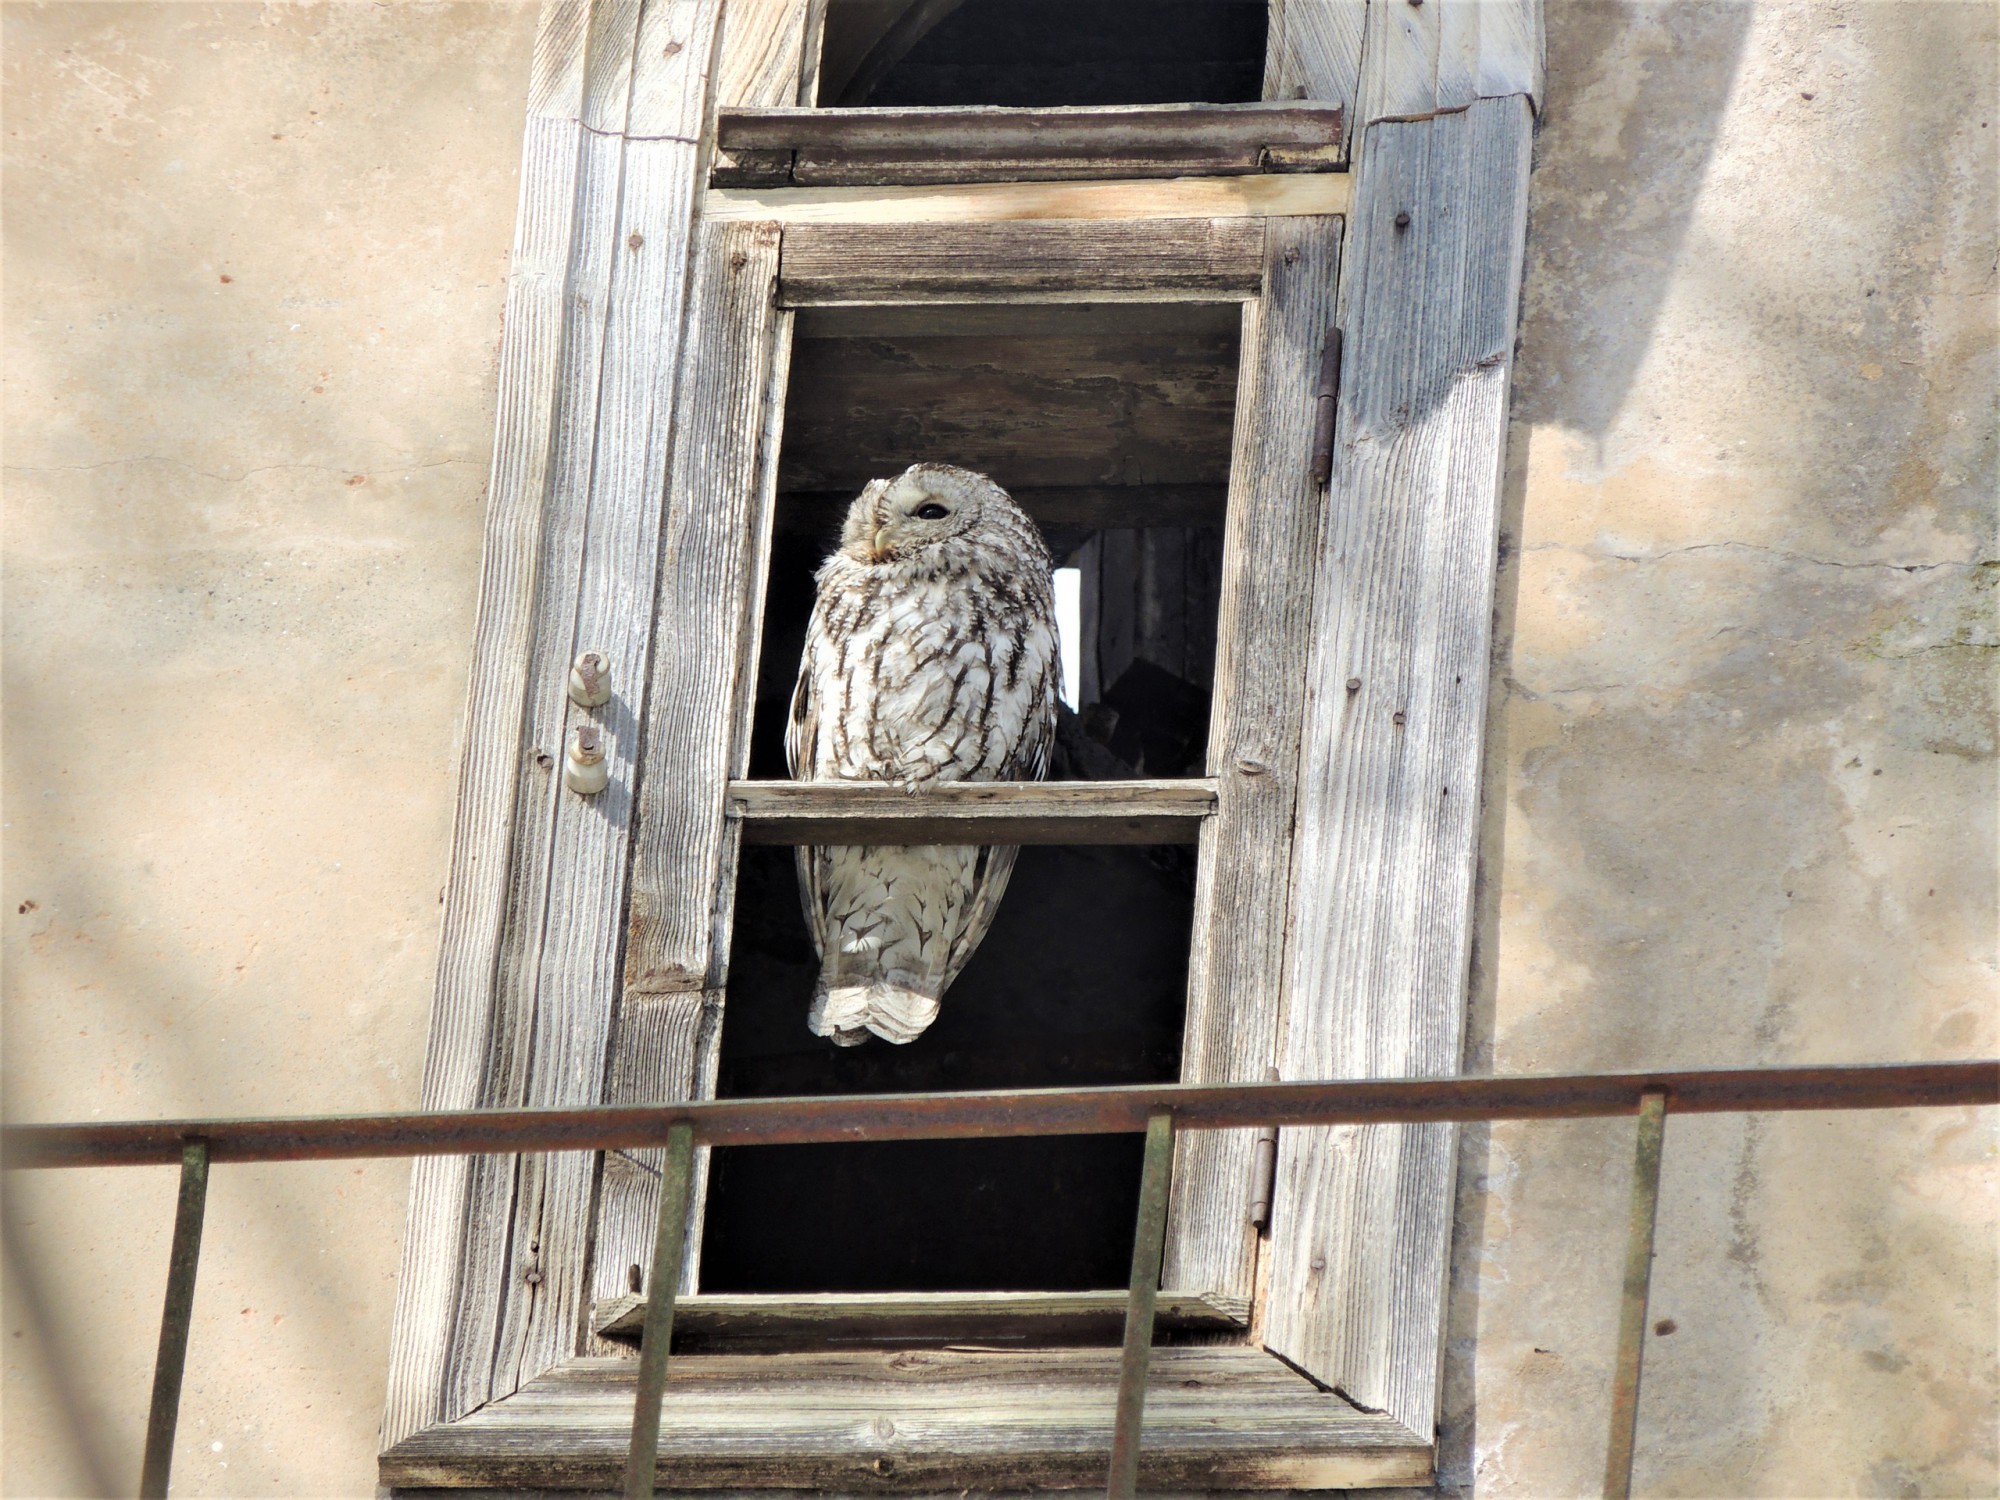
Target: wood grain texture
x=544, y=1311
x=1270, y=559
x=604, y=72
x=1489, y=49
x=1087, y=507
x=988, y=144
x=1209, y=259
x=1421, y=59
x=969, y=812
x=652, y=1061
x=881, y=1422
x=709, y=603
x=1312, y=50
x=483, y=840
x=1288, y=196
x=762, y=53
x=1107, y=401
x=909, y=1319
x=1389, y=795
x=717, y=510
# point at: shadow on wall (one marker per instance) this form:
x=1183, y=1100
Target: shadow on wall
x=1744, y=636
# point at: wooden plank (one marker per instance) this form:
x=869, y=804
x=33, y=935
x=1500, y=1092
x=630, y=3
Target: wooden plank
x=879, y=1421
x=972, y=812
x=1106, y=130
x=1388, y=807
x=1488, y=49
x=989, y=144
x=1160, y=259
x=907, y=1319
x=718, y=516
x=1115, y=402
x=1084, y=506
x=540, y=322
x=1263, y=633
x=709, y=606
x=484, y=1282
x=1421, y=59
x=652, y=1061
x=1279, y=196
x=544, y=1304
x=1399, y=57
x=762, y=52
x=1312, y=50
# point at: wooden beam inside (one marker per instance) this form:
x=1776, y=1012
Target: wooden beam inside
x=771, y=147
x=1282, y=196
x=1082, y=506
x=908, y=1319
x=972, y=812
x=1153, y=260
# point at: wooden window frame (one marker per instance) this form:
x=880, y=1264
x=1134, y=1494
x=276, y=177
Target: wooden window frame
x=644, y=295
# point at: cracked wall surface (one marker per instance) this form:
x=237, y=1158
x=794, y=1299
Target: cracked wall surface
x=1740, y=783
x=1740, y=780
x=254, y=260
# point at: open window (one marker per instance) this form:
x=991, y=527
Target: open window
x=1042, y=52
x=1268, y=777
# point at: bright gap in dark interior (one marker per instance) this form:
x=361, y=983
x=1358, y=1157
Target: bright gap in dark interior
x=1088, y=414
x=1045, y=52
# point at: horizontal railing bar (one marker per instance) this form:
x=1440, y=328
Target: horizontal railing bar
x=972, y=812
x=1020, y=1112
x=991, y=130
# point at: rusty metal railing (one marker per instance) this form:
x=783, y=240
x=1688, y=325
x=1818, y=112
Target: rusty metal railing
x=1159, y=1111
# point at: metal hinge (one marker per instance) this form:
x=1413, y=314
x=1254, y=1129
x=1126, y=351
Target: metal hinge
x=1264, y=1168
x=1326, y=400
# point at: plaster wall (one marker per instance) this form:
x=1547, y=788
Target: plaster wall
x=1740, y=787
x=255, y=258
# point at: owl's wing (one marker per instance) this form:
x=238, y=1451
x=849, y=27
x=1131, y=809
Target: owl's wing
x=1028, y=762
x=801, y=752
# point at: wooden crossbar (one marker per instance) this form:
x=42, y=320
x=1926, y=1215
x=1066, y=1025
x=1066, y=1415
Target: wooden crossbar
x=969, y=812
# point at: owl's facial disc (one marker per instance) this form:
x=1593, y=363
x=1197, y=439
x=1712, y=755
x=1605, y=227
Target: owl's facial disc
x=921, y=506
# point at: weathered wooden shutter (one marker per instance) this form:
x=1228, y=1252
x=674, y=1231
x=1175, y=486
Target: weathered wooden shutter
x=1236, y=968
x=1388, y=806
x=496, y=1280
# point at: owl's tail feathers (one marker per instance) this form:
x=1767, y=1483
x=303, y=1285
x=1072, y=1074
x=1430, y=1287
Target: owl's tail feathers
x=899, y=1014
x=849, y=1012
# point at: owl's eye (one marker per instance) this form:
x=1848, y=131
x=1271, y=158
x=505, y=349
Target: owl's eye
x=931, y=512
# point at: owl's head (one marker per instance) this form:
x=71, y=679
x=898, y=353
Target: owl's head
x=926, y=507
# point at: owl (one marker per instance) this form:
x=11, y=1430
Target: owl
x=931, y=656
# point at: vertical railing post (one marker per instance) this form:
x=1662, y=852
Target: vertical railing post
x=676, y=1185
x=176, y=1316
x=1149, y=1240
x=1638, y=1289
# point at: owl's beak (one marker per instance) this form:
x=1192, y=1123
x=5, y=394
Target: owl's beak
x=878, y=544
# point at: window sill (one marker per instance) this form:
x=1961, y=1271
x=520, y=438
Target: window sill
x=921, y=1419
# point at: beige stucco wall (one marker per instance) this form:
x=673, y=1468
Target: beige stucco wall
x=1741, y=779
x=254, y=260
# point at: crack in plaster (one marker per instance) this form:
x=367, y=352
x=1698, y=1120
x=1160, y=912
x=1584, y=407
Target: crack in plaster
x=1607, y=554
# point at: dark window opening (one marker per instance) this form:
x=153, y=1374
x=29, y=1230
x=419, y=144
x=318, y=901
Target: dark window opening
x=1116, y=413
x=1043, y=52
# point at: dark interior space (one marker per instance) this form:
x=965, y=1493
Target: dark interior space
x=1089, y=415
x=1043, y=52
